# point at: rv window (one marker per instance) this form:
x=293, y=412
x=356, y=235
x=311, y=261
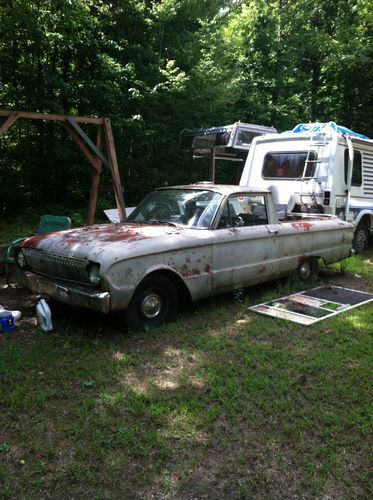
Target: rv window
x=292, y=165
x=356, y=168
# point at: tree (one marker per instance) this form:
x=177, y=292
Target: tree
x=158, y=67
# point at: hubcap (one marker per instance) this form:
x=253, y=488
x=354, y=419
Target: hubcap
x=151, y=306
x=304, y=270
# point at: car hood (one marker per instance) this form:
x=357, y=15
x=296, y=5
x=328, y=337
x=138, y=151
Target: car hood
x=114, y=241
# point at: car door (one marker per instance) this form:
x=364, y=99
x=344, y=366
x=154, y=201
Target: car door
x=244, y=245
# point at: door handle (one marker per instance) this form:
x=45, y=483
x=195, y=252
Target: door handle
x=273, y=230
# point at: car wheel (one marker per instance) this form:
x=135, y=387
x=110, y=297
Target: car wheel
x=155, y=302
x=361, y=238
x=308, y=269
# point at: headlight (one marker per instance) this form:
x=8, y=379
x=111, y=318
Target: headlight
x=94, y=274
x=21, y=261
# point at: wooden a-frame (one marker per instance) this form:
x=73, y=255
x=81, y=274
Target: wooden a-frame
x=94, y=153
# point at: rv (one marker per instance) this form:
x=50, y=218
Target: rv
x=317, y=168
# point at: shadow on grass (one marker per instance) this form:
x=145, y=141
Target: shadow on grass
x=204, y=407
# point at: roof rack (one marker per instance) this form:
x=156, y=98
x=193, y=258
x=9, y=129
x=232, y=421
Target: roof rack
x=228, y=142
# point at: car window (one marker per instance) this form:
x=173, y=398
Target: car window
x=193, y=208
x=243, y=210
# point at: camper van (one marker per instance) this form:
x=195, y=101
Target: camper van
x=317, y=168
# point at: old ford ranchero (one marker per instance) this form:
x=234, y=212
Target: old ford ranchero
x=182, y=242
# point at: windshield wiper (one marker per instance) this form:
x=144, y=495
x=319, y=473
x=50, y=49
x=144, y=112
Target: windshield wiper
x=159, y=221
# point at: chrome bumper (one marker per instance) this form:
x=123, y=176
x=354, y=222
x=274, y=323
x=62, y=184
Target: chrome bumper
x=67, y=293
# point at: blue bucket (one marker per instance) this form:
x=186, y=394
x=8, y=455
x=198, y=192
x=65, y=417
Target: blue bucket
x=6, y=322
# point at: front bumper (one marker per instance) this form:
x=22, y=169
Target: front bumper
x=68, y=293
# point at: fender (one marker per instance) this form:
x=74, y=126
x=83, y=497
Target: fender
x=361, y=214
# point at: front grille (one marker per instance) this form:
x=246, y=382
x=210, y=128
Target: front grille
x=57, y=266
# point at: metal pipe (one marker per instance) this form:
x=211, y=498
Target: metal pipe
x=349, y=174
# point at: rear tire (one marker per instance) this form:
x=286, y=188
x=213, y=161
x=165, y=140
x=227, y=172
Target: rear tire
x=308, y=269
x=155, y=302
x=361, y=238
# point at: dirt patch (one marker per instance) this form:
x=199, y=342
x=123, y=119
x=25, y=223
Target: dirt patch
x=347, y=280
x=13, y=297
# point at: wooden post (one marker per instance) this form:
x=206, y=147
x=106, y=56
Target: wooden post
x=95, y=182
x=212, y=165
x=8, y=122
x=238, y=172
x=112, y=157
x=191, y=161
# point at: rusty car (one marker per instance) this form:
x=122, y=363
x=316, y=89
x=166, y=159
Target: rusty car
x=180, y=243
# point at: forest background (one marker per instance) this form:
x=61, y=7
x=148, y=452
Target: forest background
x=158, y=67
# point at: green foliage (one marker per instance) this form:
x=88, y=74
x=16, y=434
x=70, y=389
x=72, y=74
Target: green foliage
x=304, y=61
x=156, y=68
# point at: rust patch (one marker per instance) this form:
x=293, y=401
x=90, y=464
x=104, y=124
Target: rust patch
x=207, y=268
x=261, y=270
x=36, y=239
x=306, y=226
x=105, y=234
x=188, y=273
x=195, y=272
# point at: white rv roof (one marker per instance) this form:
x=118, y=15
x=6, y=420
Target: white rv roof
x=302, y=135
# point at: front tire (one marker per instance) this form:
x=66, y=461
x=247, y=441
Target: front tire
x=308, y=269
x=154, y=302
x=361, y=238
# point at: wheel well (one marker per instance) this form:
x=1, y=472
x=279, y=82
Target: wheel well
x=313, y=258
x=309, y=257
x=366, y=220
x=182, y=290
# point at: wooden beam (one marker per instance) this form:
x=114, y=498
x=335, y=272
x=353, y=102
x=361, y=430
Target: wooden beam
x=112, y=157
x=191, y=164
x=95, y=162
x=95, y=182
x=51, y=117
x=87, y=141
x=8, y=122
x=105, y=134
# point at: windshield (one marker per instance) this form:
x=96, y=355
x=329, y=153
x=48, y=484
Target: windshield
x=188, y=207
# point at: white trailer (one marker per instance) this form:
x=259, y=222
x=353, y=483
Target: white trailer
x=317, y=168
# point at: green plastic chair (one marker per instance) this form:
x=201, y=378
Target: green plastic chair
x=47, y=224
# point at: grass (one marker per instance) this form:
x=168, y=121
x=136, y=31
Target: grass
x=222, y=403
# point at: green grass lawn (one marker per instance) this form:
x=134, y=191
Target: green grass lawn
x=222, y=403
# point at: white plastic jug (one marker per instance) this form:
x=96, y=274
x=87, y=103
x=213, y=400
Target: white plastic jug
x=44, y=315
x=16, y=314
